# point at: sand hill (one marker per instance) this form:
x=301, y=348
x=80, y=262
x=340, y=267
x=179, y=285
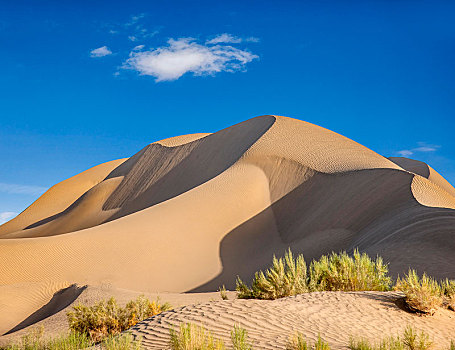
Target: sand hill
x=191, y=213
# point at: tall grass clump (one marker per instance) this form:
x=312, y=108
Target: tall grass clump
x=289, y=276
x=298, y=342
x=193, y=337
x=239, y=338
x=422, y=295
x=107, y=318
x=448, y=290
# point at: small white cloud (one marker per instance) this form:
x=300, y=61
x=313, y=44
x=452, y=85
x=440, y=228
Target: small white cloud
x=185, y=55
x=138, y=47
x=6, y=216
x=112, y=31
x=252, y=39
x=132, y=38
x=423, y=147
x=21, y=189
x=134, y=19
x=405, y=153
x=230, y=39
x=100, y=52
x=224, y=38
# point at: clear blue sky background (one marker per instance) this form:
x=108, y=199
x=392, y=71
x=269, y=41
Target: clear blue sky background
x=379, y=72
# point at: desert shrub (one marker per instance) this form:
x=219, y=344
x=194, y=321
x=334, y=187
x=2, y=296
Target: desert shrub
x=239, y=338
x=348, y=273
x=121, y=342
x=193, y=337
x=448, y=290
x=298, y=342
x=107, y=318
x=422, y=295
x=452, y=345
x=286, y=277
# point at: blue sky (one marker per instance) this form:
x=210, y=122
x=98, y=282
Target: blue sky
x=86, y=82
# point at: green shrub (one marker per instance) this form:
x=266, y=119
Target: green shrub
x=422, y=295
x=286, y=277
x=289, y=276
x=448, y=290
x=239, y=338
x=452, y=345
x=107, y=318
x=345, y=273
x=298, y=342
x=192, y=337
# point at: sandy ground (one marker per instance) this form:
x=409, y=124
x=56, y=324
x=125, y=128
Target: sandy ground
x=191, y=213
x=336, y=316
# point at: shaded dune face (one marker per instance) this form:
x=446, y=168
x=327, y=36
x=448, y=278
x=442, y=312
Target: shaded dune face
x=158, y=173
x=192, y=213
x=161, y=173
x=373, y=210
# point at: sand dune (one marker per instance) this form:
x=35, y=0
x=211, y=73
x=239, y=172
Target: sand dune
x=191, y=213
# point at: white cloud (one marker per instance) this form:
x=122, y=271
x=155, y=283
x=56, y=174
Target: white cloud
x=100, y=52
x=6, y=216
x=230, y=39
x=132, y=38
x=224, y=38
x=423, y=147
x=21, y=189
x=138, y=47
x=185, y=55
x=134, y=19
x=405, y=153
x=112, y=31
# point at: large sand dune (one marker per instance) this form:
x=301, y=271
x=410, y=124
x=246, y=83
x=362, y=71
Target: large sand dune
x=191, y=213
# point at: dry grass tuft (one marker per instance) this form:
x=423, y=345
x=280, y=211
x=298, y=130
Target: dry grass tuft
x=422, y=295
x=239, y=338
x=192, y=337
x=298, y=342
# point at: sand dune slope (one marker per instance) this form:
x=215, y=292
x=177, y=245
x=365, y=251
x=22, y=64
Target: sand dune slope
x=334, y=315
x=191, y=213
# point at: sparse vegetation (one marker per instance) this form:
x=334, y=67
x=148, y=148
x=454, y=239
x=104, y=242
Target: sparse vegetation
x=422, y=295
x=298, y=342
x=289, y=276
x=448, y=290
x=34, y=340
x=223, y=292
x=193, y=337
x=411, y=340
x=107, y=318
x=239, y=338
